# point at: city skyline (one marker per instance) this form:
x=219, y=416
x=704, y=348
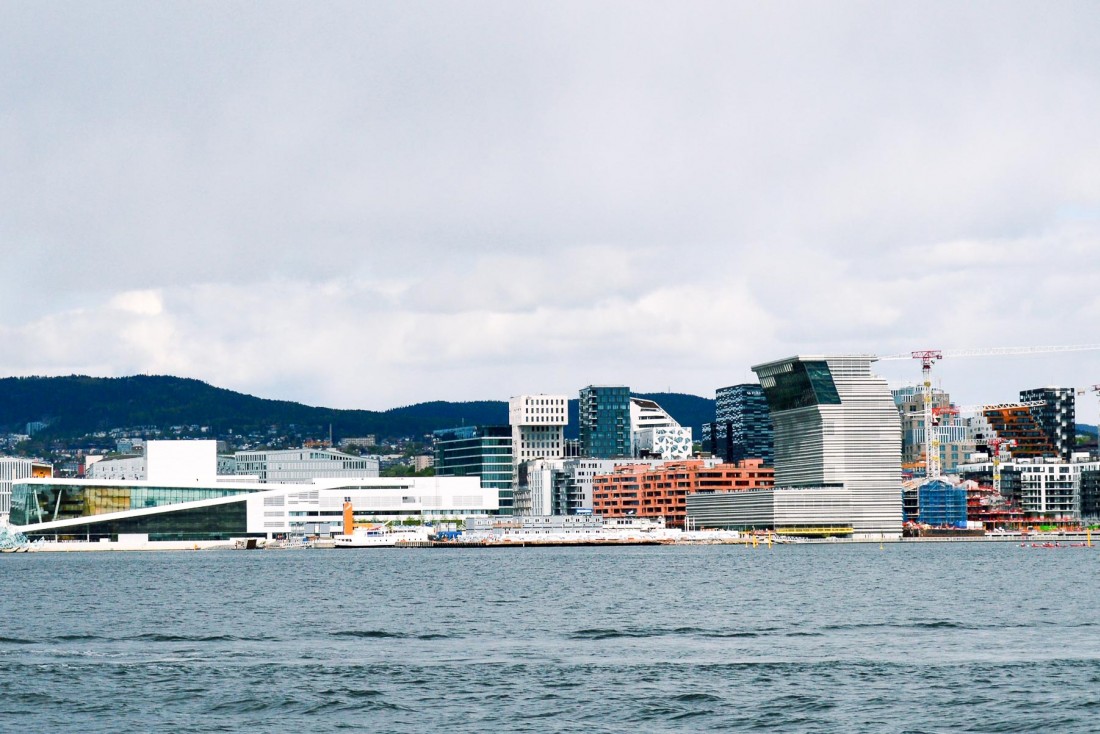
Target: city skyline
x=366, y=206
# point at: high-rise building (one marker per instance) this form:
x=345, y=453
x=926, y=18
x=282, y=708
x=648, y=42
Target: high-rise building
x=478, y=451
x=836, y=426
x=538, y=426
x=605, y=422
x=1055, y=417
x=742, y=426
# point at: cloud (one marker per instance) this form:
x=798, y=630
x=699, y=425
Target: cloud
x=142, y=303
x=368, y=204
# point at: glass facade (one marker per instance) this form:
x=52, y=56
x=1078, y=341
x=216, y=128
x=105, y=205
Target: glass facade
x=219, y=522
x=47, y=502
x=478, y=451
x=799, y=385
x=605, y=422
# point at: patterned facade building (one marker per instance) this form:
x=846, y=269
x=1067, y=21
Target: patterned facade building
x=655, y=433
x=742, y=427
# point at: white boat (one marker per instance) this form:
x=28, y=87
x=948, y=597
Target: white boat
x=383, y=536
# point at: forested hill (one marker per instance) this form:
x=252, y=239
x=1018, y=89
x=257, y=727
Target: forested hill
x=78, y=405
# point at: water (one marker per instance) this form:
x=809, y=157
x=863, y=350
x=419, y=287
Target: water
x=980, y=637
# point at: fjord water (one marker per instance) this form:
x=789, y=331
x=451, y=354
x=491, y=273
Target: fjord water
x=983, y=637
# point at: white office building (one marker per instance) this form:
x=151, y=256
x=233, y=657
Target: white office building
x=1042, y=487
x=295, y=466
x=538, y=427
x=836, y=426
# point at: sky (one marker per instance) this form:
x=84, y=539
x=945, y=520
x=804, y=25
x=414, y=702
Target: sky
x=368, y=205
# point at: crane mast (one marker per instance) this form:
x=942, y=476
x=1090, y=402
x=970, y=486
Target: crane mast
x=928, y=358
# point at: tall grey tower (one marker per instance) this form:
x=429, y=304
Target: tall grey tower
x=836, y=425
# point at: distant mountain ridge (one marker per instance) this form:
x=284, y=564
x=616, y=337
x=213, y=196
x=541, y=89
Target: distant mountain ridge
x=78, y=404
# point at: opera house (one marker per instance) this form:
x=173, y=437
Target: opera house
x=183, y=499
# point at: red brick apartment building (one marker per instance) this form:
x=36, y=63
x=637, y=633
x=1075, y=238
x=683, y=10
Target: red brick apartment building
x=644, y=491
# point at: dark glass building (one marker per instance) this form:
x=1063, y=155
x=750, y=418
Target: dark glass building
x=604, y=418
x=742, y=427
x=478, y=451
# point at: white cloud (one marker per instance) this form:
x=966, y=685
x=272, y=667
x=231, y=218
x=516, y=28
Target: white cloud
x=142, y=303
x=377, y=204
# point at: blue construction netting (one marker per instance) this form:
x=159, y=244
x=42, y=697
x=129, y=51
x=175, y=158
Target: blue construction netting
x=942, y=505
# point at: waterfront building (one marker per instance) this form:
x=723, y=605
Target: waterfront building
x=13, y=469
x=742, y=427
x=656, y=433
x=548, y=489
x=302, y=465
x=1055, y=417
x=538, y=426
x=565, y=486
x=604, y=416
x=82, y=509
x=1016, y=423
x=479, y=451
x=941, y=504
x=565, y=529
x=954, y=434
x=1041, y=488
x=1090, y=493
x=837, y=427
x=805, y=512
x=662, y=491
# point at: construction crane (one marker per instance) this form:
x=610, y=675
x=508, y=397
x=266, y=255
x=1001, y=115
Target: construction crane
x=937, y=413
x=995, y=445
x=929, y=357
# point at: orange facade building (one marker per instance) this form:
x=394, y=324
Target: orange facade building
x=644, y=491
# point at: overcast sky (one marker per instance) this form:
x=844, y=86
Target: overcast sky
x=374, y=204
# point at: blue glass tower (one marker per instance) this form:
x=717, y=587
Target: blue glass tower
x=605, y=422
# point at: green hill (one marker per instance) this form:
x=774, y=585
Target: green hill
x=78, y=405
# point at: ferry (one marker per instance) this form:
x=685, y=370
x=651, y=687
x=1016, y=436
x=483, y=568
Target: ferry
x=379, y=535
x=383, y=536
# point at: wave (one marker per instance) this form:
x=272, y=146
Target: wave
x=370, y=634
x=160, y=637
x=607, y=633
x=15, y=641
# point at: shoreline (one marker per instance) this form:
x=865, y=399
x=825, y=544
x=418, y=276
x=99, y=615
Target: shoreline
x=1068, y=540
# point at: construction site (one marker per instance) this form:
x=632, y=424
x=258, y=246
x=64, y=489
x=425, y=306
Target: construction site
x=1015, y=467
